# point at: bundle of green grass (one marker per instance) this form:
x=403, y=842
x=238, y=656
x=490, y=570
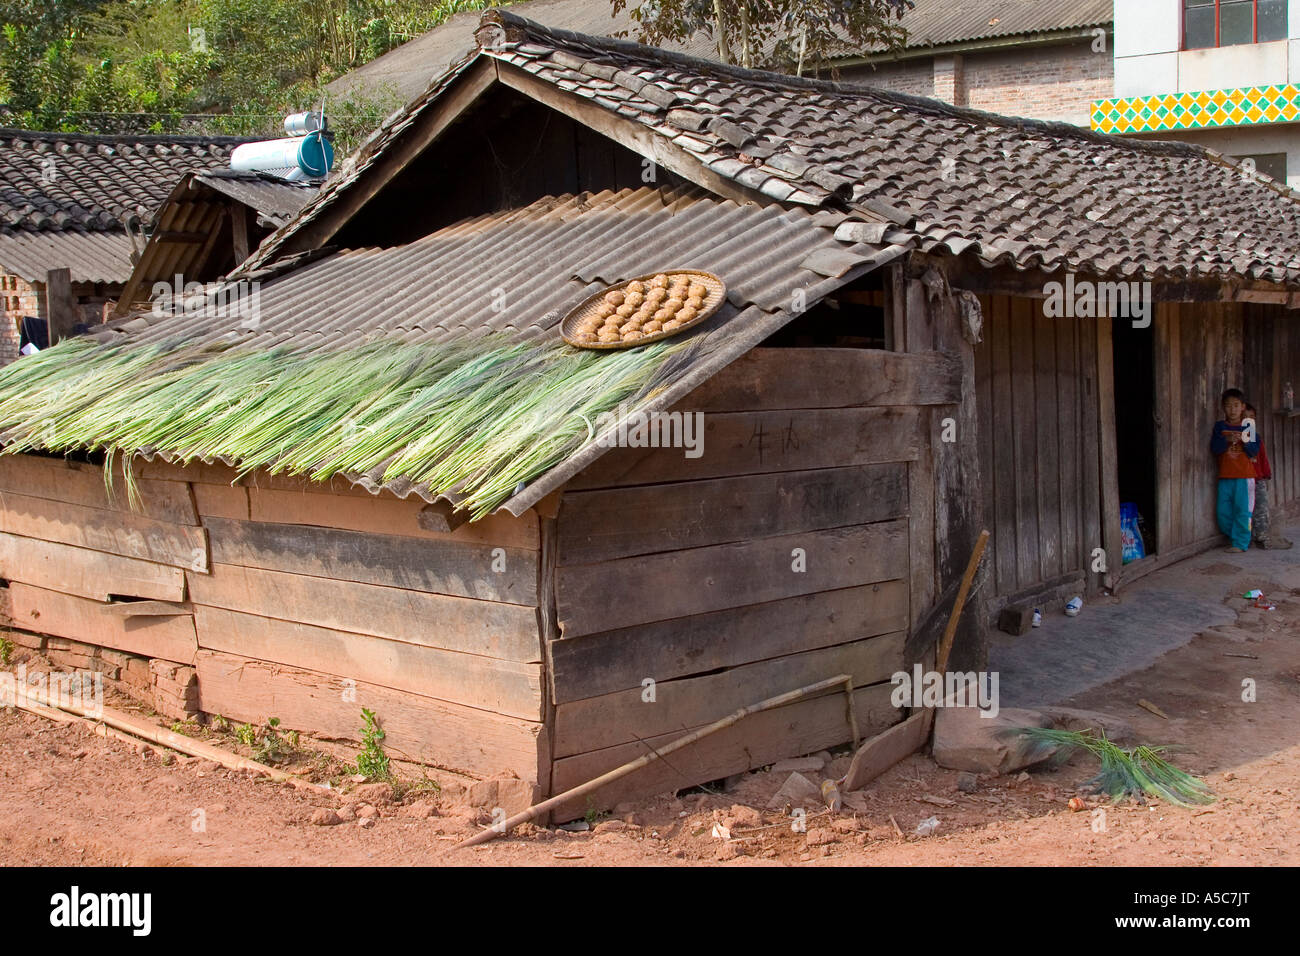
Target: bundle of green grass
x=1124, y=773
x=475, y=418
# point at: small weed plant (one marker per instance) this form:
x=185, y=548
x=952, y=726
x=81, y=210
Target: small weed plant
x=372, y=762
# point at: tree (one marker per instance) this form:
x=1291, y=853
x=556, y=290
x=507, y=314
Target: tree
x=216, y=66
x=754, y=33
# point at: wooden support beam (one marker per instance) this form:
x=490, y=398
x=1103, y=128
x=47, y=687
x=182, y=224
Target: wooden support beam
x=884, y=750
x=1032, y=284
x=442, y=517
x=1110, y=527
x=60, y=305
x=239, y=231
x=199, y=261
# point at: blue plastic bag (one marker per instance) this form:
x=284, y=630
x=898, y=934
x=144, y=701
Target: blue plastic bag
x=1129, y=534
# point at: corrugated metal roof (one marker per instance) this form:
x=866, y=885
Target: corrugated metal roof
x=941, y=22
x=407, y=70
x=196, y=208
x=91, y=256
x=518, y=272
x=276, y=200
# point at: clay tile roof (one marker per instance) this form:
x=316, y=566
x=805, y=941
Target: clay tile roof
x=1028, y=193
x=58, y=181
x=67, y=199
x=407, y=69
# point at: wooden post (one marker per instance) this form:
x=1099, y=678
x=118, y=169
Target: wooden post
x=60, y=306
x=239, y=231
x=933, y=321
x=1110, y=530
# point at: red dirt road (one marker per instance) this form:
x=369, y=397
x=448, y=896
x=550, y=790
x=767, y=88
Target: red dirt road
x=73, y=798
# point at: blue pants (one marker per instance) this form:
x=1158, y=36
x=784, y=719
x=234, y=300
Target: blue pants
x=1236, y=504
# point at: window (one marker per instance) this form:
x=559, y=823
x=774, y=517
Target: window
x=1270, y=164
x=1211, y=23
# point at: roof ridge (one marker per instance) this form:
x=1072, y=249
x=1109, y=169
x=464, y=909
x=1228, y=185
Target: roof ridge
x=162, y=139
x=505, y=20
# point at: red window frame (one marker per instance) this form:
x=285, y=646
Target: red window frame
x=1218, y=25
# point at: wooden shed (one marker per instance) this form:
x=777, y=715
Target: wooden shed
x=382, y=493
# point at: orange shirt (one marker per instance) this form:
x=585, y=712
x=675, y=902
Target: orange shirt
x=1235, y=461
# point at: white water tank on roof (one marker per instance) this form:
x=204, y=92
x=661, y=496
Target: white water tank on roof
x=296, y=124
x=307, y=157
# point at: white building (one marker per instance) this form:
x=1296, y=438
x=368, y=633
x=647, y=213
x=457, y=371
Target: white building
x=1223, y=73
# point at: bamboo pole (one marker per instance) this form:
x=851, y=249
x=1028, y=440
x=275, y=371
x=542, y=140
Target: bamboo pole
x=950, y=632
x=157, y=735
x=853, y=711
x=903, y=739
x=58, y=716
x=537, y=809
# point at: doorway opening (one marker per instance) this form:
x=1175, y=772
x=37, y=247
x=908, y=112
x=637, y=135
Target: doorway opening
x=1135, y=427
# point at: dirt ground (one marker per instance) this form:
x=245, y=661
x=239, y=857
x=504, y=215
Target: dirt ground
x=76, y=798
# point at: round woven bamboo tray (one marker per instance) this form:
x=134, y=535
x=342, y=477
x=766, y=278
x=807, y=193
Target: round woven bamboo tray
x=712, y=302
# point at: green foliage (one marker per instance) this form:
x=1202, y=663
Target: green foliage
x=209, y=66
x=372, y=762
x=353, y=117
x=593, y=816
x=267, y=743
x=6, y=651
x=1124, y=773
x=220, y=724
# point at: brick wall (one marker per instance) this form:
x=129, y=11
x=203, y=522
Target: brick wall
x=17, y=298
x=169, y=688
x=912, y=76
x=1055, y=82
x=20, y=298
x=1052, y=82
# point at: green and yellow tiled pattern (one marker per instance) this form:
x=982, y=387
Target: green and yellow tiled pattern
x=1248, y=106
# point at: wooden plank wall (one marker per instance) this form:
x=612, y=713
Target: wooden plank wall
x=305, y=603
x=68, y=547
x=677, y=590
x=1271, y=340
x=1039, y=427
x=1199, y=351
x=338, y=600
x=1046, y=406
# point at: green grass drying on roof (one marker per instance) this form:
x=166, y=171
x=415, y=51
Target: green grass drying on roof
x=470, y=418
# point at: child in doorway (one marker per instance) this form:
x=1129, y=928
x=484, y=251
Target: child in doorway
x=1261, y=525
x=1236, y=446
